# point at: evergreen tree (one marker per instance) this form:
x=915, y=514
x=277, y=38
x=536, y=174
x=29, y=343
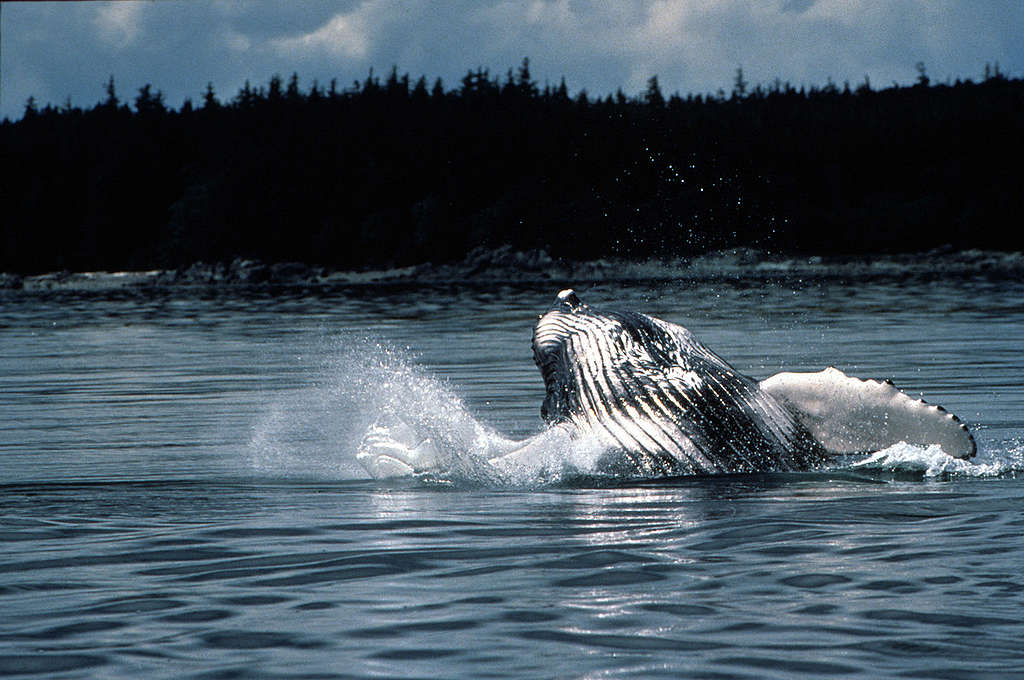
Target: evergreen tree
x=111, y=101
x=739, y=87
x=922, y=75
x=652, y=95
x=524, y=82
x=149, y=102
x=210, y=102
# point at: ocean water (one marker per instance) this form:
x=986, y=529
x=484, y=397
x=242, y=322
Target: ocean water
x=179, y=496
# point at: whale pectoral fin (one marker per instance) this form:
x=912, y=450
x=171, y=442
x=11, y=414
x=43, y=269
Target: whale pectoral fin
x=394, y=449
x=850, y=415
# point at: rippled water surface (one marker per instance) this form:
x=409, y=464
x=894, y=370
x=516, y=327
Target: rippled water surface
x=179, y=496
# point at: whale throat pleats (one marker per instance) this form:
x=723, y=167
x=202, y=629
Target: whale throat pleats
x=651, y=392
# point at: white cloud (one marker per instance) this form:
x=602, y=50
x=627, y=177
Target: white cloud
x=697, y=45
x=119, y=24
x=344, y=35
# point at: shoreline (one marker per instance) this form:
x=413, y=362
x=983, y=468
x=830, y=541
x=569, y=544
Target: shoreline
x=504, y=265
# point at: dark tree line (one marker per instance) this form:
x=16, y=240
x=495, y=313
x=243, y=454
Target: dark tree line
x=394, y=171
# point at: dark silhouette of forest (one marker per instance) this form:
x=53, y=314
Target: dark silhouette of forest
x=394, y=171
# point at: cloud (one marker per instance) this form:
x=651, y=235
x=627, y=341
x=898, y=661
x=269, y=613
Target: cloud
x=345, y=35
x=118, y=24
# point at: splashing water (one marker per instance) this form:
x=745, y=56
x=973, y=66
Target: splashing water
x=932, y=462
x=315, y=431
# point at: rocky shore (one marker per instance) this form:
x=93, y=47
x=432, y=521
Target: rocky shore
x=505, y=265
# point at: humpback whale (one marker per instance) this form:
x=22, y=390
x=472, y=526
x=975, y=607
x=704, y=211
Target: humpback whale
x=657, y=402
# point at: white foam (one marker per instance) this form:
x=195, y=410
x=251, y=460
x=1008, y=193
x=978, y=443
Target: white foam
x=932, y=462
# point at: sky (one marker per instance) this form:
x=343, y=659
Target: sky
x=61, y=51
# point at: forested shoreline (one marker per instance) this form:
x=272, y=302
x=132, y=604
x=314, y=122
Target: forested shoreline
x=392, y=171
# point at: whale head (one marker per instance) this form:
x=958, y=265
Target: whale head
x=590, y=358
x=649, y=389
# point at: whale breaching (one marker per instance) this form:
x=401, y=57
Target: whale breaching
x=656, y=402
